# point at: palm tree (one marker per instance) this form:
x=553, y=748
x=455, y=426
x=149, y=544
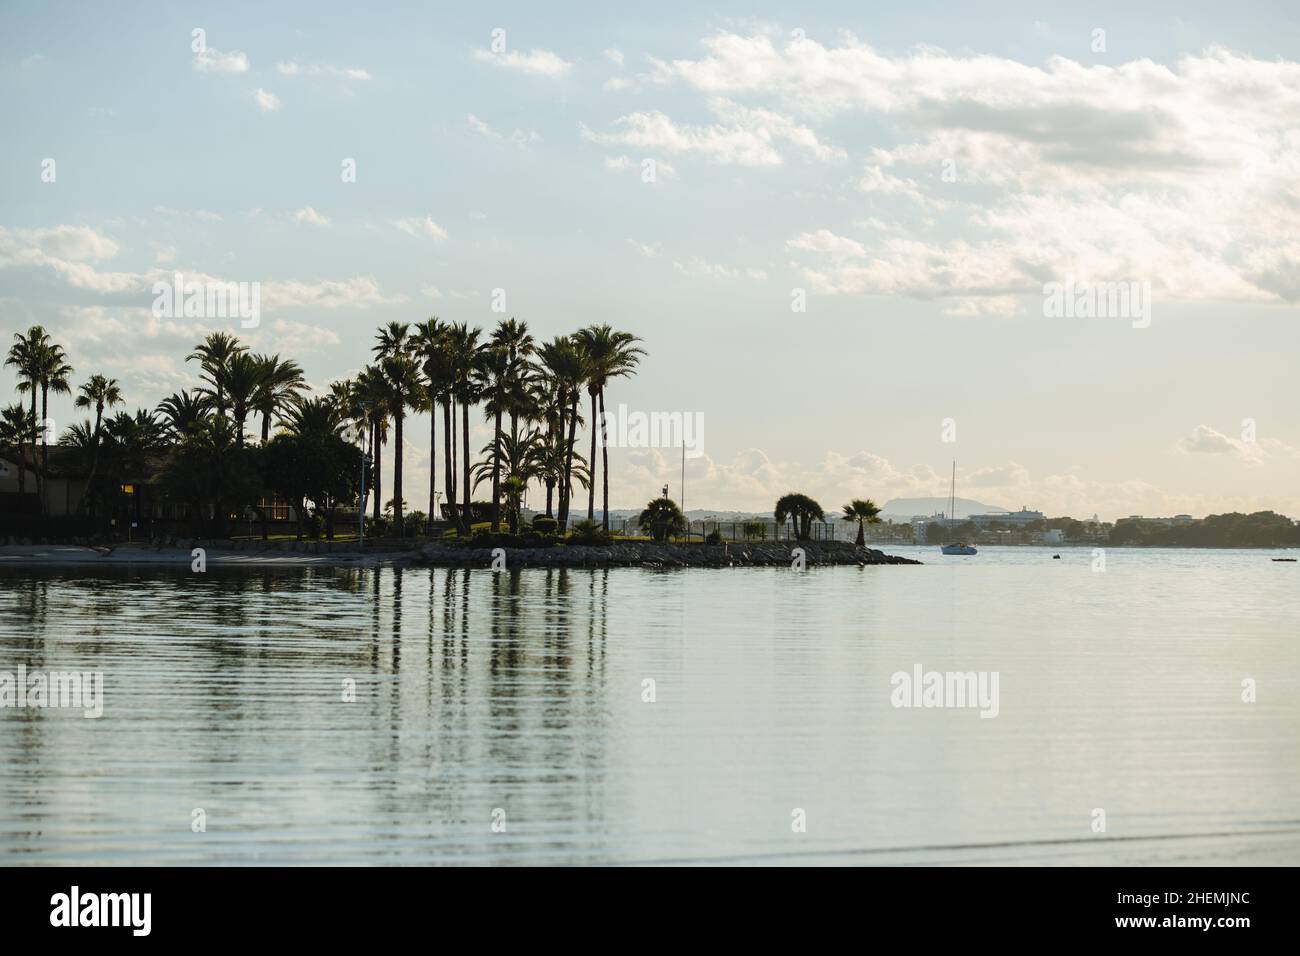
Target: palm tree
x=17, y=428
x=464, y=353
x=241, y=383
x=98, y=393
x=612, y=354
x=25, y=355
x=513, y=336
x=864, y=512
x=493, y=377
x=802, y=509
x=185, y=413
x=566, y=366
x=279, y=389
x=372, y=398
x=403, y=387
x=54, y=376
x=427, y=345
x=214, y=354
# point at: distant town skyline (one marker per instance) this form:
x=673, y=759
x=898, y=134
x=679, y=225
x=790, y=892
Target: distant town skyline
x=833, y=235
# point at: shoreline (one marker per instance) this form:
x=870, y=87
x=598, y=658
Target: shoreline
x=644, y=554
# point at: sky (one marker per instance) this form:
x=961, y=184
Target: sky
x=833, y=227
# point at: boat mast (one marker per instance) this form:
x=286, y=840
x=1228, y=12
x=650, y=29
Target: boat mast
x=952, y=496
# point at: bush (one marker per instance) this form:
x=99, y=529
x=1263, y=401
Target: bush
x=754, y=530
x=714, y=537
x=588, y=532
x=544, y=525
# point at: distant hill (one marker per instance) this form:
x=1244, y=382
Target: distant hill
x=903, y=509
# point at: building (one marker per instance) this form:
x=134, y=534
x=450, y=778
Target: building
x=1012, y=519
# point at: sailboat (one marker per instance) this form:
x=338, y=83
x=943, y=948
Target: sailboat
x=960, y=547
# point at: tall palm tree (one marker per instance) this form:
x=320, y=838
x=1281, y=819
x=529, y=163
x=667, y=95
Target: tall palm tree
x=372, y=398
x=55, y=377
x=279, y=389
x=240, y=383
x=567, y=367
x=214, y=354
x=98, y=393
x=25, y=355
x=464, y=352
x=493, y=377
x=402, y=390
x=864, y=512
x=612, y=354
x=513, y=336
x=428, y=347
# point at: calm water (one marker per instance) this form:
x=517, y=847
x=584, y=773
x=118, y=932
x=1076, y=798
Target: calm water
x=522, y=693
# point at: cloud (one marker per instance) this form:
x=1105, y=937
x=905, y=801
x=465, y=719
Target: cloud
x=266, y=102
x=482, y=128
x=534, y=62
x=614, y=56
x=696, y=266
x=649, y=250
x=1186, y=175
x=519, y=137
x=293, y=68
x=214, y=61
x=415, y=226
x=1206, y=440
x=744, y=137
x=826, y=242
x=309, y=215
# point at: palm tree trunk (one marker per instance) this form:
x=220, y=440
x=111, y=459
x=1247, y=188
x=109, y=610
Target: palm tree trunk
x=566, y=499
x=496, y=475
x=591, y=462
x=377, y=454
x=45, y=448
x=266, y=426
x=449, y=461
x=604, y=464
x=433, y=463
x=398, y=418
x=84, y=505
x=464, y=439
x=861, y=536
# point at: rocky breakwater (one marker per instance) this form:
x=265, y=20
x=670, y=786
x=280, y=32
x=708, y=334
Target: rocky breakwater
x=649, y=554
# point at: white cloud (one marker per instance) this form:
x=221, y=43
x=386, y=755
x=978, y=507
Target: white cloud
x=649, y=250
x=482, y=128
x=293, y=68
x=535, y=62
x=1206, y=440
x=415, y=226
x=214, y=61
x=614, y=56
x=309, y=215
x=745, y=137
x=431, y=292
x=266, y=102
x=1186, y=175
x=695, y=266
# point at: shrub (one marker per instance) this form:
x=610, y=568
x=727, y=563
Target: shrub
x=661, y=519
x=545, y=525
x=754, y=530
x=588, y=532
x=714, y=537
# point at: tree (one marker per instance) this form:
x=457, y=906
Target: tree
x=567, y=366
x=610, y=354
x=864, y=512
x=26, y=355
x=802, y=509
x=427, y=348
x=98, y=393
x=17, y=429
x=403, y=387
x=661, y=519
x=464, y=355
x=279, y=387
x=214, y=354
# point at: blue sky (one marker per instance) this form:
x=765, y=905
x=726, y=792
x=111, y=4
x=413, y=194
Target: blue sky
x=794, y=149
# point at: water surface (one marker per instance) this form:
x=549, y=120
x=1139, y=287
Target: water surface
x=518, y=697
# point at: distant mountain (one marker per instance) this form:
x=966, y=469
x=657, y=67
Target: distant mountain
x=904, y=509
